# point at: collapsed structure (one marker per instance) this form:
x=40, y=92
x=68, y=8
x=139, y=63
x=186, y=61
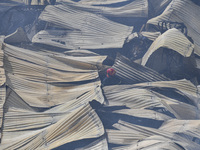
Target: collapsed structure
x=53, y=56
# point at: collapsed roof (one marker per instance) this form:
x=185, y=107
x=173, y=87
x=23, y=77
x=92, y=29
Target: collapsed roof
x=53, y=58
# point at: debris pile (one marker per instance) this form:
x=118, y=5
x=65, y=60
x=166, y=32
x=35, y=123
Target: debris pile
x=53, y=59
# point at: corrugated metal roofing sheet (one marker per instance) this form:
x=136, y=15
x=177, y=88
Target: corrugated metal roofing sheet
x=131, y=72
x=136, y=8
x=150, y=138
x=35, y=76
x=87, y=30
x=37, y=133
x=132, y=98
x=183, y=11
x=36, y=2
x=171, y=39
x=151, y=35
x=183, y=85
x=144, y=113
x=2, y=83
x=137, y=98
x=158, y=113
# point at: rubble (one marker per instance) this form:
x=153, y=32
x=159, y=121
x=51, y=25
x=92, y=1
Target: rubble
x=53, y=59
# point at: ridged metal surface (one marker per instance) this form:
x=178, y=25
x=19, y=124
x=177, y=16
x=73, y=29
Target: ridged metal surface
x=183, y=11
x=132, y=98
x=171, y=39
x=131, y=73
x=52, y=98
x=136, y=8
x=138, y=137
x=144, y=113
x=35, y=77
x=151, y=35
x=183, y=85
x=2, y=83
x=35, y=2
x=139, y=98
x=88, y=30
x=62, y=127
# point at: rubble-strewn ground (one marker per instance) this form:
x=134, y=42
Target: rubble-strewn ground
x=53, y=59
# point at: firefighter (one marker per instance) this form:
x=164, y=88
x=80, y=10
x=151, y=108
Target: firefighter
x=111, y=78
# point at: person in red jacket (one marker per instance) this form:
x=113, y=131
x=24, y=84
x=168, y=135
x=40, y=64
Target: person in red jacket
x=111, y=77
x=110, y=72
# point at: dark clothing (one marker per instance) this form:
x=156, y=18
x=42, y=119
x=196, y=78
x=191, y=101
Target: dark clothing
x=114, y=80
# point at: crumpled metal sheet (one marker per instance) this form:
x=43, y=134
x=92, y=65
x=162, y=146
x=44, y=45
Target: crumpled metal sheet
x=36, y=77
x=183, y=11
x=172, y=39
x=144, y=113
x=47, y=130
x=148, y=110
x=131, y=73
x=132, y=9
x=85, y=31
x=148, y=137
x=37, y=2
x=140, y=98
x=2, y=83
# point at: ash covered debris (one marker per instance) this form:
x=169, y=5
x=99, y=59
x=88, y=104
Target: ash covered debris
x=53, y=59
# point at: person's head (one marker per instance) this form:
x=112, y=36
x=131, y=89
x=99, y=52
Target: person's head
x=110, y=72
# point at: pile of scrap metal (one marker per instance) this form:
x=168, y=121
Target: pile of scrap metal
x=53, y=58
